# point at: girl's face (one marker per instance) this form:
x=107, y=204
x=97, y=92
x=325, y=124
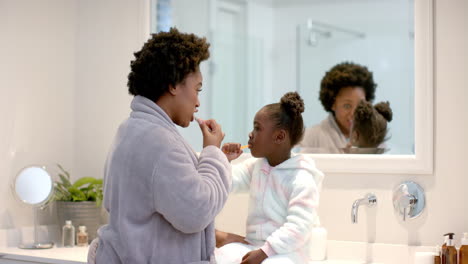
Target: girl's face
x=345, y=103
x=262, y=137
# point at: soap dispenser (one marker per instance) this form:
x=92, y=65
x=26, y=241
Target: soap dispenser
x=449, y=255
x=444, y=249
x=463, y=252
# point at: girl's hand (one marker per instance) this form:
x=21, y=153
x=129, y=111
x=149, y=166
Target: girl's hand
x=232, y=150
x=223, y=238
x=254, y=257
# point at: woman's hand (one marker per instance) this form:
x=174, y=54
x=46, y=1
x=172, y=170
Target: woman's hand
x=232, y=150
x=254, y=257
x=212, y=132
x=223, y=238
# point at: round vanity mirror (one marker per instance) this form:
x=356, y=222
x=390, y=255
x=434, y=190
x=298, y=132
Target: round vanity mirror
x=34, y=186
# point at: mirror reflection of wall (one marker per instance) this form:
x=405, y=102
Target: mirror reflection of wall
x=264, y=48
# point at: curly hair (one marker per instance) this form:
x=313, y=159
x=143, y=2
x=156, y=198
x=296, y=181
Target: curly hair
x=287, y=114
x=344, y=75
x=371, y=123
x=165, y=59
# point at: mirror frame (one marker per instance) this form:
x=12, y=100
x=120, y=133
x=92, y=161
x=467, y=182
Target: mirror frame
x=44, y=202
x=421, y=162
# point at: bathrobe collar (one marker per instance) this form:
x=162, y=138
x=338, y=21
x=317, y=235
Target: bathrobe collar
x=143, y=107
x=146, y=109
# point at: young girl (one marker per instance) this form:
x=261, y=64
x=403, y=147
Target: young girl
x=369, y=128
x=284, y=189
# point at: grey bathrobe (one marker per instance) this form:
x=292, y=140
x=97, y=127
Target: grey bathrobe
x=162, y=199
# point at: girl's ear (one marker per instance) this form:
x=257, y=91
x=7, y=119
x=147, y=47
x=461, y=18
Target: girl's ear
x=280, y=136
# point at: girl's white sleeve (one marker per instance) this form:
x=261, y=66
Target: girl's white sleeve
x=242, y=176
x=302, y=206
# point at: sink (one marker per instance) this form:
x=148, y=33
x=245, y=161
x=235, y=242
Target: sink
x=350, y=252
x=341, y=262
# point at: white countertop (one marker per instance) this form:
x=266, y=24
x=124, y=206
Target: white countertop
x=55, y=255
x=78, y=255
x=338, y=252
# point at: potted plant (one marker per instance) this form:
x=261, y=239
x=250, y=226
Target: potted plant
x=79, y=201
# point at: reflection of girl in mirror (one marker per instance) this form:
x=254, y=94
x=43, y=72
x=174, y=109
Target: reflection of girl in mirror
x=284, y=190
x=369, y=128
x=341, y=89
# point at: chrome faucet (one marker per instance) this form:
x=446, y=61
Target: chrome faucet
x=408, y=200
x=370, y=200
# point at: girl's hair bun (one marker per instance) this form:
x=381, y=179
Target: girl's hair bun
x=384, y=109
x=292, y=103
x=363, y=111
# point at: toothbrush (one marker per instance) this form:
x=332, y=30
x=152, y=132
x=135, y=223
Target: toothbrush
x=244, y=147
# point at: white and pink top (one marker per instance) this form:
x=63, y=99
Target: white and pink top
x=282, y=205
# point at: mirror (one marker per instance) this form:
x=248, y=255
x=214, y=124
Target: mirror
x=33, y=186
x=264, y=48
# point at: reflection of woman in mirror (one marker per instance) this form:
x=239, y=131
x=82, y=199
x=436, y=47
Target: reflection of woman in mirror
x=284, y=190
x=369, y=129
x=161, y=197
x=341, y=89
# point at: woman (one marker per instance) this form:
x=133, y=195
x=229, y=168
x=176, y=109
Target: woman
x=162, y=199
x=341, y=90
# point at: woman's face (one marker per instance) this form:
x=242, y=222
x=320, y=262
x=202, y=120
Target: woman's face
x=187, y=100
x=345, y=103
x=261, y=139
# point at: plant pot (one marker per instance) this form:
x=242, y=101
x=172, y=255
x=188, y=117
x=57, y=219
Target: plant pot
x=80, y=213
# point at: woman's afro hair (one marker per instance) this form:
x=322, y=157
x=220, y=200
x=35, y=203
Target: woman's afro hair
x=343, y=75
x=165, y=59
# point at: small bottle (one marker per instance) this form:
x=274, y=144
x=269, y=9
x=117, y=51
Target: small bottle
x=82, y=237
x=437, y=258
x=463, y=251
x=68, y=234
x=450, y=255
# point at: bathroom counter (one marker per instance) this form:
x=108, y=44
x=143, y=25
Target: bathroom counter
x=55, y=255
x=338, y=252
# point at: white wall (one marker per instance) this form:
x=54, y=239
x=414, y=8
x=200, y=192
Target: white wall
x=108, y=33
x=37, y=73
x=64, y=70
x=81, y=52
